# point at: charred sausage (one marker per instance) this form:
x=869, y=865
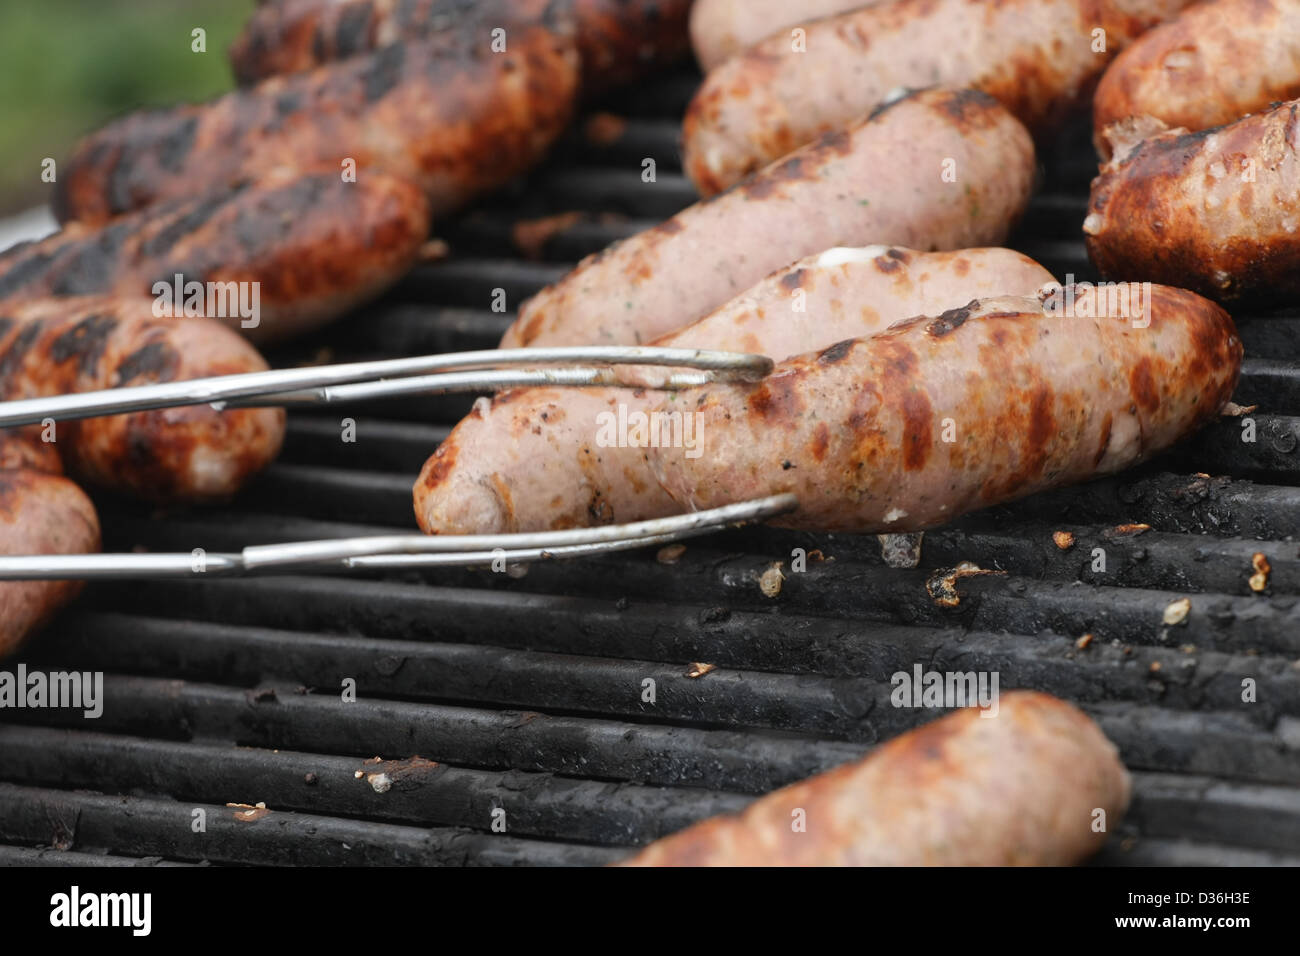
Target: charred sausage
x=722, y=28
x=1216, y=211
x=883, y=181
x=1021, y=788
x=191, y=453
x=904, y=430
x=41, y=512
x=533, y=460
x=1038, y=57
x=1212, y=64
x=618, y=40
x=314, y=244
x=449, y=115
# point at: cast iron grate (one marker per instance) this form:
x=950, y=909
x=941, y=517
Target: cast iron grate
x=486, y=693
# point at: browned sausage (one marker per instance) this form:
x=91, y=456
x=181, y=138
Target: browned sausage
x=907, y=429
x=1216, y=211
x=1212, y=64
x=315, y=245
x=1039, y=57
x=619, y=40
x=985, y=404
x=722, y=28
x=1021, y=788
x=191, y=453
x=41, y=512
x=935, y=169
x=447, y=114
x=536, y=459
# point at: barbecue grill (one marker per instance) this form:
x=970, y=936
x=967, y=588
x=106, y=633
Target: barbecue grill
x=504, y=719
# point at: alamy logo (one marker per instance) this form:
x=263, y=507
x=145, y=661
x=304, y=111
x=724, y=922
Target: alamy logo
x=216, y=300
x=74, y=909
x=1127, y=300
x=628, y=429
x=946, y=689
x=77, y=690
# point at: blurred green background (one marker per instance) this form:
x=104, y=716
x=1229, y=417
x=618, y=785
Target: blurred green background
x=67, y=66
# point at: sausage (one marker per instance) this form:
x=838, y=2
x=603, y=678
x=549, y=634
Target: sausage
x=879, y=182
x=316, y=245
x=722, y=28
x=1214, y=63
x=849, y=293
x=191, y=453
x=532, y=460
x=448, y=114
x=1021, y=788
x=1217, y=211
x=1035, y=56
x=41, y=512
x=897, y=432
x=979, y=406
x=618, y=40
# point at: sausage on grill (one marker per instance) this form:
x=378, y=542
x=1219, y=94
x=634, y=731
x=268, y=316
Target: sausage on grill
x=619, y=40
x=879, y=182
x=532, y=460
x=316, y=246
x=448, y=114
x=1211, y=65
x=904, y=430
x=722, y=28
x=1216, y=211
x=1022, y=788
x=190, y=453
x=41, y=512
x=1036, y=56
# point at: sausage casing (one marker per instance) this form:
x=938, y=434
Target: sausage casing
x=1021, y=788
x=722, y=28
x=190, y=453
x=41, y=512
x=448, y=114
x=1217, y=211
x=619, y=40
x=937, y=417
x=1212, y=64
x=1038, y=57
x=533, y=459
x=315, y=245
x=876, y=183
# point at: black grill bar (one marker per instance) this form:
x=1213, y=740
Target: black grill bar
x=742, y=761
x=413, y=791
x=154, y=827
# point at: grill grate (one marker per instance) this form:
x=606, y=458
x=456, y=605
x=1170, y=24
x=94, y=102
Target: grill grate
x=527, y=692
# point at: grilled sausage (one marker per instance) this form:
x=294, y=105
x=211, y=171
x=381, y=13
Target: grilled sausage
x=1021, y=788
x=882, y=181
x=618, y=40
x=901, y=431
x=448, y=114
x=982, y=405
x=849, y=293
x=1214, y=63
x=192, y=453
x=532, y=460
x=1216, y=211
x=316, y=246
x=1035, y=56
x=722, y=28
x=41, y=512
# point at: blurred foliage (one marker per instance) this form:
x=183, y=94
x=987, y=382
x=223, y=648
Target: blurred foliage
x=68, y=66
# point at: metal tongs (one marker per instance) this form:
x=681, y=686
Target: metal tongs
x=359, y=381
